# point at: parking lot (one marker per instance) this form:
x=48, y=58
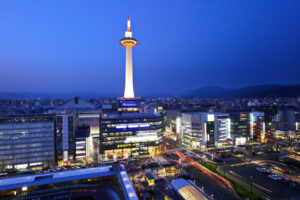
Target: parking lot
x=279, y=189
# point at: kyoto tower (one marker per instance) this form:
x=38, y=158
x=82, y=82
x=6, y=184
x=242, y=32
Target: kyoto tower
x=128, y=42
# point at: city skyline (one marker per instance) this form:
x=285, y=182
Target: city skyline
x=206, y=106
x=49, y=48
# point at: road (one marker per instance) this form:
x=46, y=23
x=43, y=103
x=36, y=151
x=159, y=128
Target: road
x=210, y=187
x=182, y=148
x=210, y=183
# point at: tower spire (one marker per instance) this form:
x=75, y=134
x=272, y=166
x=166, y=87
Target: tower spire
x=128, y=24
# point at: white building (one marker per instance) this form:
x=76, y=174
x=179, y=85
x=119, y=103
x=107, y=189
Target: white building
x=205, y=129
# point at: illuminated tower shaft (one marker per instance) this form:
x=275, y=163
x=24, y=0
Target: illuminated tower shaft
x=128, y=42
x=129, y=92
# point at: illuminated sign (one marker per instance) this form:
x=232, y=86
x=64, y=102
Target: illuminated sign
x=147, y=133
x=121, y=126
x=149, y=138
x=210, y=117
x=240, y=141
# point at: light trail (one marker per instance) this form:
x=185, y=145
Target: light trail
x=213, y=176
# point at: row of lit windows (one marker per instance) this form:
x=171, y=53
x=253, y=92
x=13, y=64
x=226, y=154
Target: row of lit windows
x=28, y=155
x=116, y=125
x=25, y=126
x=114, y=139
x=28, y=145
x=129, y=120
x=27, y=150
x=117, y=134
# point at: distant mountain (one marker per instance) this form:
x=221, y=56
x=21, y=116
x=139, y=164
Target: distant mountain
x=208, y=92
x=259, y=91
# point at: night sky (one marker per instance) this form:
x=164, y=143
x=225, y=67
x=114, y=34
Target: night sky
x=73, y=46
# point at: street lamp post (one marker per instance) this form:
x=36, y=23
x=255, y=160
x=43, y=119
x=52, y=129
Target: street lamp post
x=251, y=183
x=224, y=169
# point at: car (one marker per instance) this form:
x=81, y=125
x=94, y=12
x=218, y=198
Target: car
x=247, y=160
x=260, y=169
x=274, y=177
x=294, y=184
x=263, y=170
x=58, y=169
x=283, y=180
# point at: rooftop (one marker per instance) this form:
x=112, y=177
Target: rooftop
x=188, y=190
x=56, y=177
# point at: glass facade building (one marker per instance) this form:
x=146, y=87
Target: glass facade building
x=240, y=126
x=134, y=134
x=27, y=141
x=205, y=129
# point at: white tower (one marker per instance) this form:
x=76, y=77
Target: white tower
x=128, y=42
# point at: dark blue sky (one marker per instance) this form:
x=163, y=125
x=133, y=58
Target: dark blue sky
x=73, y=46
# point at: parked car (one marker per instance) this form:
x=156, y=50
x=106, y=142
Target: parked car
x=261, y=169
x=283, y=180
x=294, y=184
x=264, y=170
x=274, y=177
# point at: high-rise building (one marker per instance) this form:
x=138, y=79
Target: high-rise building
x=240, y=126
x=86, y=127
x=130, y=131
x=285, y=120
x=27, y=141
x=257, y=126
x=65, y=138
x=247, y=126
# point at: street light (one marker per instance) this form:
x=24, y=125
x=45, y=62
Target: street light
x=224, y=168
x=251, y=183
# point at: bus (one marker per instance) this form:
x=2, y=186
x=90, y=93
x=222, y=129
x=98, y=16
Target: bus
x=150, y=179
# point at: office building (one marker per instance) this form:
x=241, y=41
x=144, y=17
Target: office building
x=65, y=138
x=240, y=126
x=86, y=127
x=128, y=134
x=257, y=126
x=285, y=120
x=205, y=129
x=27, y=141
